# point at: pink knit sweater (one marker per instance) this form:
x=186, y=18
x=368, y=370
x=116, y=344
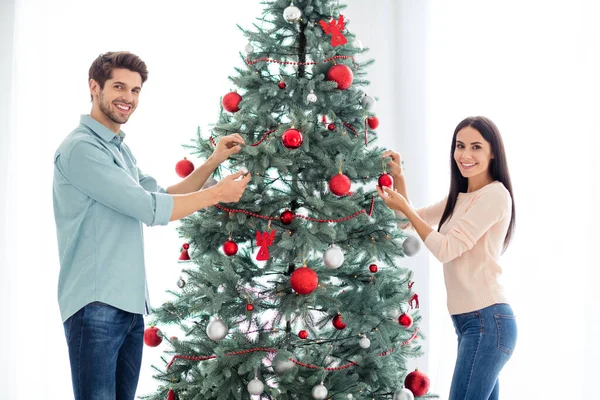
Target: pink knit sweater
x=469, y=245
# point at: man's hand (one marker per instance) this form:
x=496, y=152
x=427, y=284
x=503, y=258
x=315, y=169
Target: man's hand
x=230, y=188
x=227, y=145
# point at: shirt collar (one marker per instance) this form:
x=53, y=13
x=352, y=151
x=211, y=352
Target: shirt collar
x=100, y=130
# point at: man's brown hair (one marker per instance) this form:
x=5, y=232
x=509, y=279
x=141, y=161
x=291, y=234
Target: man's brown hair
x=103, y=65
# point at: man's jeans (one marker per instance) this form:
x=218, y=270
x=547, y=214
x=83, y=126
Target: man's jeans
x=486, y=340
x=105, y=350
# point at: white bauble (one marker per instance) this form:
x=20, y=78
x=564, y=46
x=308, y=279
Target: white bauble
x=333, y=257
x=292, y=14
x=319, y=392
x=350, y=396
x=282, y=363
x=210, y=182
x=255, y=386
x=312, y=97
x=403, y=394
x=243, y=170
x=393, y=313
x=411, y=246
x=358, y=44
x=249, y=48
x=364, y=343
x=368, y=102
x=217, y=329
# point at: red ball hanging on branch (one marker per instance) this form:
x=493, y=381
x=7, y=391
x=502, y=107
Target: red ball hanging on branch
x=417, y=382
x=282, y=85
x=342, y=75
x=303, y=334
x=331, y=127
x=386, y=180
x=340, y=184
x=292, y=139
x=373, y=122
x=230, y=248
x=184, y=252
x=405, y=320
x=152, y=336
x=373, y=268
x=338, y=323
x=250, y=307
x=287, y=217
x=184, y=167
x=231, y=102
x=304, y=280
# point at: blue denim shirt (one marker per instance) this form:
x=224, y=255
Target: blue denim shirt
x=101, y=199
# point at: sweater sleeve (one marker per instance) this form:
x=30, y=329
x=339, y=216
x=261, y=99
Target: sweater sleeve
x=430, y=214
x=485, y=211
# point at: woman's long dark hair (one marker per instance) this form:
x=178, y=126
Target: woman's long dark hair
x=498, y=169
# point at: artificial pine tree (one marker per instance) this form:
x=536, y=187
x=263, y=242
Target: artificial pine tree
x=297, y=291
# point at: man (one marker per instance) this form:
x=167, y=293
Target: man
x=101, y=198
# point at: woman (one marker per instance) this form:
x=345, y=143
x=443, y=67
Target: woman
x=475, y=223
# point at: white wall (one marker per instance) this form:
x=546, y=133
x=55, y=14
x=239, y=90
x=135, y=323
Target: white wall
x=7, y=241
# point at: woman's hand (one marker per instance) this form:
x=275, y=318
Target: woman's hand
x=393, y=199
x=227, y=145
x=395, y=165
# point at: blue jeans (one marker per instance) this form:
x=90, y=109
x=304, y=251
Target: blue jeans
x=486, y=340
x=105, y=351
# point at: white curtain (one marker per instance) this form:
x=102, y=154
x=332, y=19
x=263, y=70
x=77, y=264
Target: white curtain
x=530, y=66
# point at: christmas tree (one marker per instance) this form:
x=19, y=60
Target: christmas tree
x=297, y=291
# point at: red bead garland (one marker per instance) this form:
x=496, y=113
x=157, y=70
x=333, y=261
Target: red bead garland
x=328, y=221
x=267, y=350
x=271, y=60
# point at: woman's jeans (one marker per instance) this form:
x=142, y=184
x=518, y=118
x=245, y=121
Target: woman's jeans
x=105, y=350
x=486, y=340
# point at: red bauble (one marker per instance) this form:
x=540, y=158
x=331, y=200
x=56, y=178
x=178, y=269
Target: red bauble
x=152, y=336
x=304, y=280
x=373, y=122
x=303, y=334
x=386, y=180
x=342, y=75
x=373, y=268
x=340, y=184
x=338, y=323
x=250, y=307
x=405, y=320
x=331, y=127
x=292, y=139
x=230, y=248
x=417, y=382
x=184, y=167
x=186, y=246
x=282, y=85
x=287, y=217
x=231, y=102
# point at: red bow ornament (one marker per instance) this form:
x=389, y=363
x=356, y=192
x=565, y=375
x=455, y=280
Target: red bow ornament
x=335, y=28
x=264, y=240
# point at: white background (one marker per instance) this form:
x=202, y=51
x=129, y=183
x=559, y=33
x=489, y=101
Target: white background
x=531, y=66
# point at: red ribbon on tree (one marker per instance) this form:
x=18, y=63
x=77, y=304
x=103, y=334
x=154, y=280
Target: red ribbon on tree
x=335, y=28
x=264, y=240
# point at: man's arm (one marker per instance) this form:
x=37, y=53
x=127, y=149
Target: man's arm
x=194, y=181
x=91, y=170
x=227, y=146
